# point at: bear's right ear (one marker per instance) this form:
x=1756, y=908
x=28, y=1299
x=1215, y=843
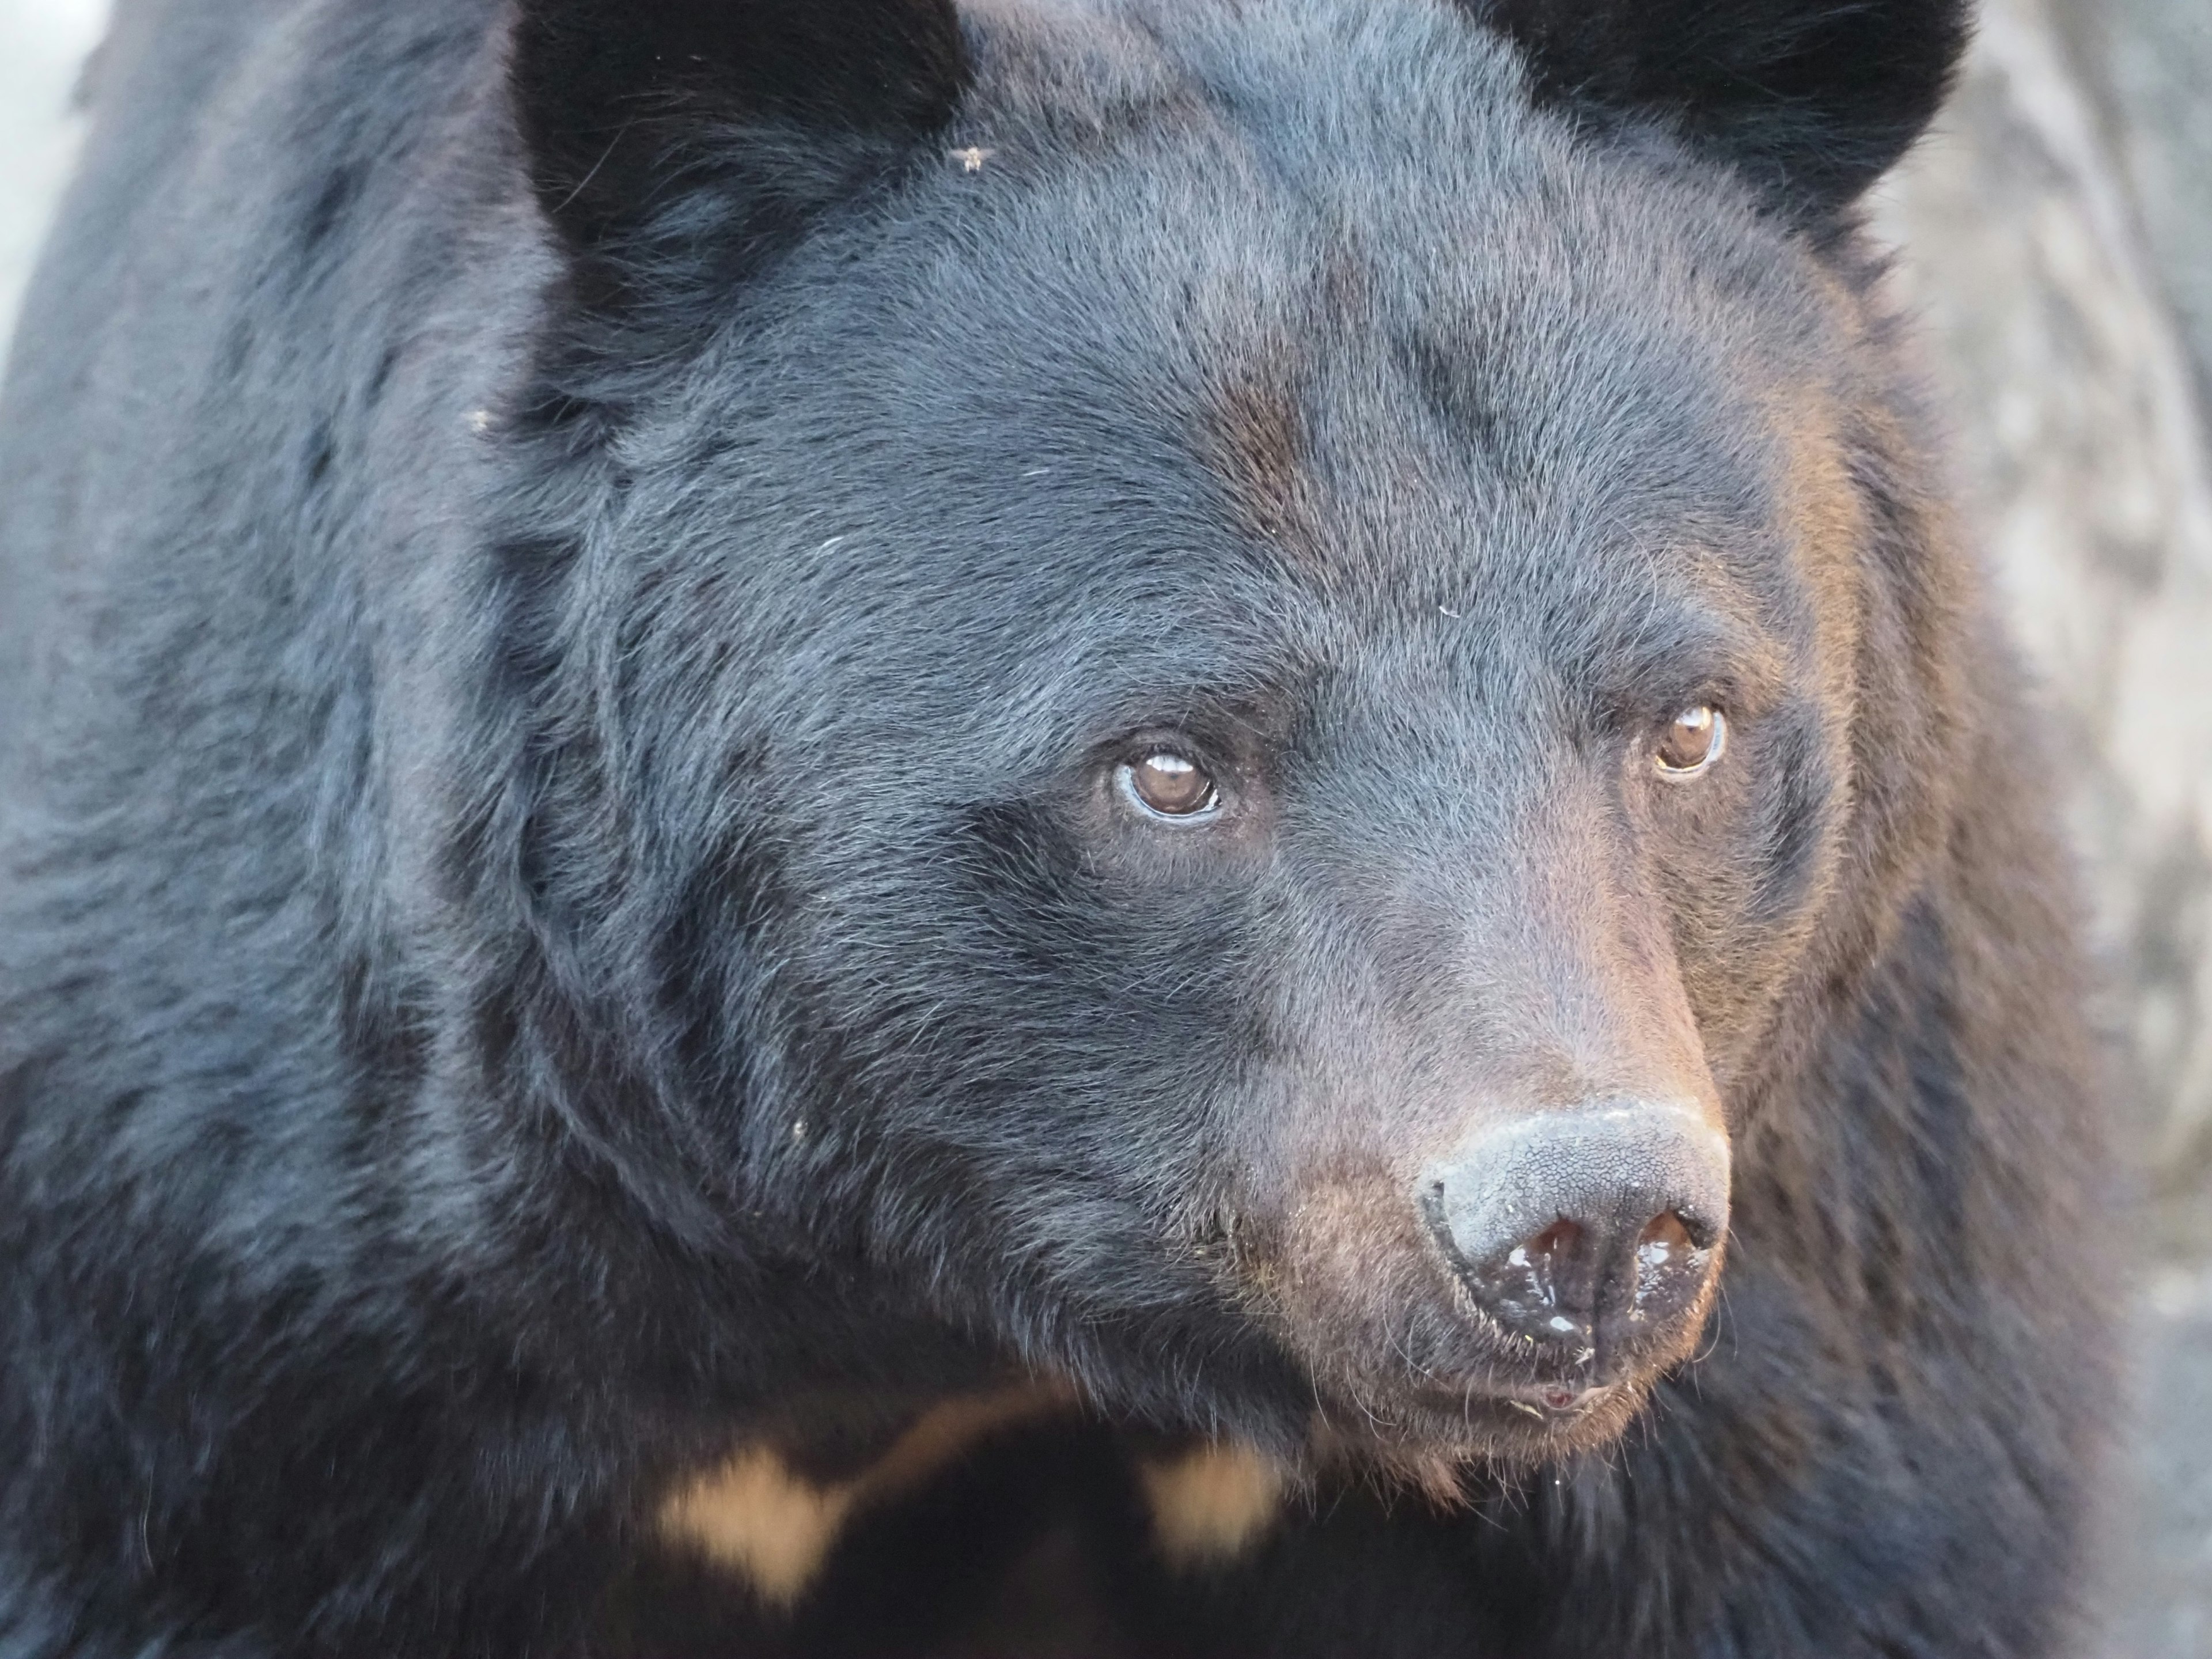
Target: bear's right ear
x=722, y=124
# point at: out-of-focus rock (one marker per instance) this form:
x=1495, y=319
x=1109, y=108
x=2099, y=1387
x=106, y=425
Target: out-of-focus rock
x=2145, y=63
x=2084, y=466
x=2057, y=237
x=42, y=42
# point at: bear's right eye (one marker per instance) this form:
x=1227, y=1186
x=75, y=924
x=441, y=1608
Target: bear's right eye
x=1170, y=786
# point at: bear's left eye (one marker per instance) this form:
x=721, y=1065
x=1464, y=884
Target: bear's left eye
x=1693, y=743
x=1170, y=786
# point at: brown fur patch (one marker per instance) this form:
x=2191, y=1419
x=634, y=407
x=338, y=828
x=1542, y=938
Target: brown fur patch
x=1255, y=439
x=776, y=1528
x=1210, y=1505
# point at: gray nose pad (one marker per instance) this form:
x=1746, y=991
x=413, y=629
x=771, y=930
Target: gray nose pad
x=1588, y=1231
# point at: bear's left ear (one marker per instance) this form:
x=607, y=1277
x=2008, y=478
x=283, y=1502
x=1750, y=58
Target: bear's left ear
x=722, y=124
x=1815, y=99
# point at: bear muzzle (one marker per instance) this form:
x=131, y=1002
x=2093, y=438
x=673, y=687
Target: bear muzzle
x=1589, y=1238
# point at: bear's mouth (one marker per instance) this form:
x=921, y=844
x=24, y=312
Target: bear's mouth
x=1432, y=1437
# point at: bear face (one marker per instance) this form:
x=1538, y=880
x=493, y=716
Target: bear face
x=1210, y=727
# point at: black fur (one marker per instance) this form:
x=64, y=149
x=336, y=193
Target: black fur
x=573, y=581
x=653, y=129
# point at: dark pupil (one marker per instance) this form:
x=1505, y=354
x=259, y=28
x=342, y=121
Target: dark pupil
x=1689, y=742
x=1169, y=783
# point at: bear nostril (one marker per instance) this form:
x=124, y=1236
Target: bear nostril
x=1669, y=1271
x=1547, y=1279
x=1556, y=1243
x=1546, y=1265
x=1666, y=1240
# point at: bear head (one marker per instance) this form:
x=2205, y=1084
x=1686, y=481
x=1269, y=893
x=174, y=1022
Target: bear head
x=1203, y=687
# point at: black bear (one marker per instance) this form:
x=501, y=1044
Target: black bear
x=1088, y=826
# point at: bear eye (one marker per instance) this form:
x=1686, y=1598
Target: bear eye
x=1693, y=744
x=1170, y=786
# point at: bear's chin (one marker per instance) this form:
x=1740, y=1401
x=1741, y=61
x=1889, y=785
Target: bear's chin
x=1442, y=1444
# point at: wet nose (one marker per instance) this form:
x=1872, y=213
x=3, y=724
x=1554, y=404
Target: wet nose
x=1592, y=1231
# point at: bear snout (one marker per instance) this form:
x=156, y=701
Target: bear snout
x=1594, y=1234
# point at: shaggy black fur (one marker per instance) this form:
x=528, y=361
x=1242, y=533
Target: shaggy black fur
x=575, y=583
x=658, y=133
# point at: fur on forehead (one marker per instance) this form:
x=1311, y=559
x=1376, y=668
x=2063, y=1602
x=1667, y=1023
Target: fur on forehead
x=1808, y=100
x=1078, y=68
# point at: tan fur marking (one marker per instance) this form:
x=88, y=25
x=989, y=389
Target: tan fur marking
x=756, y=1517
x=1210, y=1505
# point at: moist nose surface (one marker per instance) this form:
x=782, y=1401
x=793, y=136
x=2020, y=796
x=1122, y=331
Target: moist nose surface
x=1588, y=1233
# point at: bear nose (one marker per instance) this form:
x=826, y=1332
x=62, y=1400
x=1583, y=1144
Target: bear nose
x=1591, y=1232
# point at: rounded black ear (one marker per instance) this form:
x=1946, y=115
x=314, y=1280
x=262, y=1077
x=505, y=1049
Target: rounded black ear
x=1813, y=98
x=728, y=123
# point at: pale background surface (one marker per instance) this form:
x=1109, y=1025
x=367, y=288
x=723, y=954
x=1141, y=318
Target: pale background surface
x=2058, y=237
x=42, y=43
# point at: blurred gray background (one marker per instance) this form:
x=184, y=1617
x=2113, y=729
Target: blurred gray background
x=2057, y=244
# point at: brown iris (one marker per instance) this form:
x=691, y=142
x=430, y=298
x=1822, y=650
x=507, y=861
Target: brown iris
x=1693, y=742
x=1174, y=786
